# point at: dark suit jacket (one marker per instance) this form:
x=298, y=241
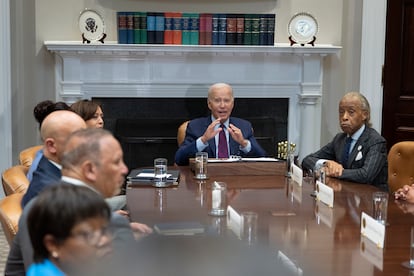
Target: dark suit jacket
x=21, y=252
x=46, y=174
x=197, y=127
x=367, y=162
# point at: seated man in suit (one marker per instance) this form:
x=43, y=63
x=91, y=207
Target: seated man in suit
x=203, y=134
x=54, y=131
x=357, y=154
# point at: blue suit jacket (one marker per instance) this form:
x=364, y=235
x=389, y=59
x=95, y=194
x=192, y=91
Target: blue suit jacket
x=46, y=174
x=367, y=161
x=197, y=127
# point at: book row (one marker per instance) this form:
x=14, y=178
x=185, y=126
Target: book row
x=195, y=28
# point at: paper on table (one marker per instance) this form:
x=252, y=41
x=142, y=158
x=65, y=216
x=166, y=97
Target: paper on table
x=148, y=175
x=246, y=159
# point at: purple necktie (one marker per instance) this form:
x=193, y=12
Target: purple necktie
x=223, y=151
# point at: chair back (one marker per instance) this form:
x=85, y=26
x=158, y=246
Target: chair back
x=401, y=165
x=181, y=133
x=14, y=180
x=10, y=212
x=26, y=156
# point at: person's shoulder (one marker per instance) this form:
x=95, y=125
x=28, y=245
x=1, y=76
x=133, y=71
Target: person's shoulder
x=237, y=120
x=372, y=133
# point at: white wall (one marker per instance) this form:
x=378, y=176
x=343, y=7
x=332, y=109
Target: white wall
x=36, y=21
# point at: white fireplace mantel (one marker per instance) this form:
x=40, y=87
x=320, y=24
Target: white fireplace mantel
x=172, y=71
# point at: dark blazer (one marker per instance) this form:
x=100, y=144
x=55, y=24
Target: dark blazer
x=46, y=174
x=367, y=162
x=21, y=251
x=197, y=127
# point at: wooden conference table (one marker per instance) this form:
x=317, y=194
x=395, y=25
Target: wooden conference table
x=301, y=235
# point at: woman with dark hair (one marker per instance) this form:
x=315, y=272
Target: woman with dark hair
x=90, y=111
x=67, y=226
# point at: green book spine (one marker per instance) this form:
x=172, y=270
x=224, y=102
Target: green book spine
x=247, y=39
x=137, y=32
x=255, y=29
x=186, y=29
x=194, y=28
x=143, y=27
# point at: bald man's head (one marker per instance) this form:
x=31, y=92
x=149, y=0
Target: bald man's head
x=56, y=128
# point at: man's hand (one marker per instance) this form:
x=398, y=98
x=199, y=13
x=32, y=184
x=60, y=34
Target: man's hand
x=333, y=169
x=210, y=132
x=237, y=135
x=405, y=193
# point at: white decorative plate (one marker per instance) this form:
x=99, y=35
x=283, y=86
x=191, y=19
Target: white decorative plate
x=91, y=25
x=303, y=28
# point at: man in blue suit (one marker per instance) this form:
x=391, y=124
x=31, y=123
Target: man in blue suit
x=202, y=134
x=357, y=154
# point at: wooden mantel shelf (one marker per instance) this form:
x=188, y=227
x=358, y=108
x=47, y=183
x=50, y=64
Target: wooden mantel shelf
x=144, y=49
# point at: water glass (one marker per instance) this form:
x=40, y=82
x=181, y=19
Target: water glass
x=201, y=160
x=249, y=227
x=380, y=206
x=160, y=172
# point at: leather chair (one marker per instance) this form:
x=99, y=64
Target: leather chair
x=14, y=180
x=10, y=212
x=401, y=165
x=181, y=133
x=26, y=156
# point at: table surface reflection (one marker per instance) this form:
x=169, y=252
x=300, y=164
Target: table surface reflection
x=315, y=239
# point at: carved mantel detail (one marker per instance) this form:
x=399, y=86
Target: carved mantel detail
x=169, y=71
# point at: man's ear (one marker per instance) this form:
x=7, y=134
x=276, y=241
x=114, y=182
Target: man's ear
x=50, y=145
x=89, y=171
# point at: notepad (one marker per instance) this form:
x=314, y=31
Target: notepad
x=146, y=177
x=179, y=228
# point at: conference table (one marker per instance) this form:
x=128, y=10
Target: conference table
x=297, y=234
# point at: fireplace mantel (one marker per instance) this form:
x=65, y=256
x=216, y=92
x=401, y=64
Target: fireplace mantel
x=172, y=71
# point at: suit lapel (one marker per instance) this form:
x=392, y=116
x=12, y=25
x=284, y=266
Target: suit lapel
x=358, y=145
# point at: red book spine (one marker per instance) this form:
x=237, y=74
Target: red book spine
x=177, y=27
x=202, y=30
x=209, y=23
x=168, y=28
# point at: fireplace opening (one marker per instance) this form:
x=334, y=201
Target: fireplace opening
x=147, y=127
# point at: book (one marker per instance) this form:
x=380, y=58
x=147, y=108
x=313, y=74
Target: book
x=255, y=27
x=231, y=27
x=240, y=29
x=179, y=228
x=247, y=37
x=263, y=29
x=151, y=27
x=168, y=28
x=137, y=29
x=194, y=28
x=222, y=29
x=145, y=177
x=177, y=28
x=271, y=22
x=214, y=28
x=209, y=18
x=159, y=28
x=122, y=27
x=143, y=27
x=130, y=27
x=202, y=29
x=185, y=29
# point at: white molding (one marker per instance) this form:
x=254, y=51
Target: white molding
x=172, y=71
x=5, y=87
x=372, y=56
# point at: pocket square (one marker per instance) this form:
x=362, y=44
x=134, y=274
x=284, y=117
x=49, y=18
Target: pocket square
x=359, y=156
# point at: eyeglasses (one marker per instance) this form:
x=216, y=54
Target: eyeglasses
x=92, y=237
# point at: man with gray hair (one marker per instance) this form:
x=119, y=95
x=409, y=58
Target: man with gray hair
x=359, y=153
